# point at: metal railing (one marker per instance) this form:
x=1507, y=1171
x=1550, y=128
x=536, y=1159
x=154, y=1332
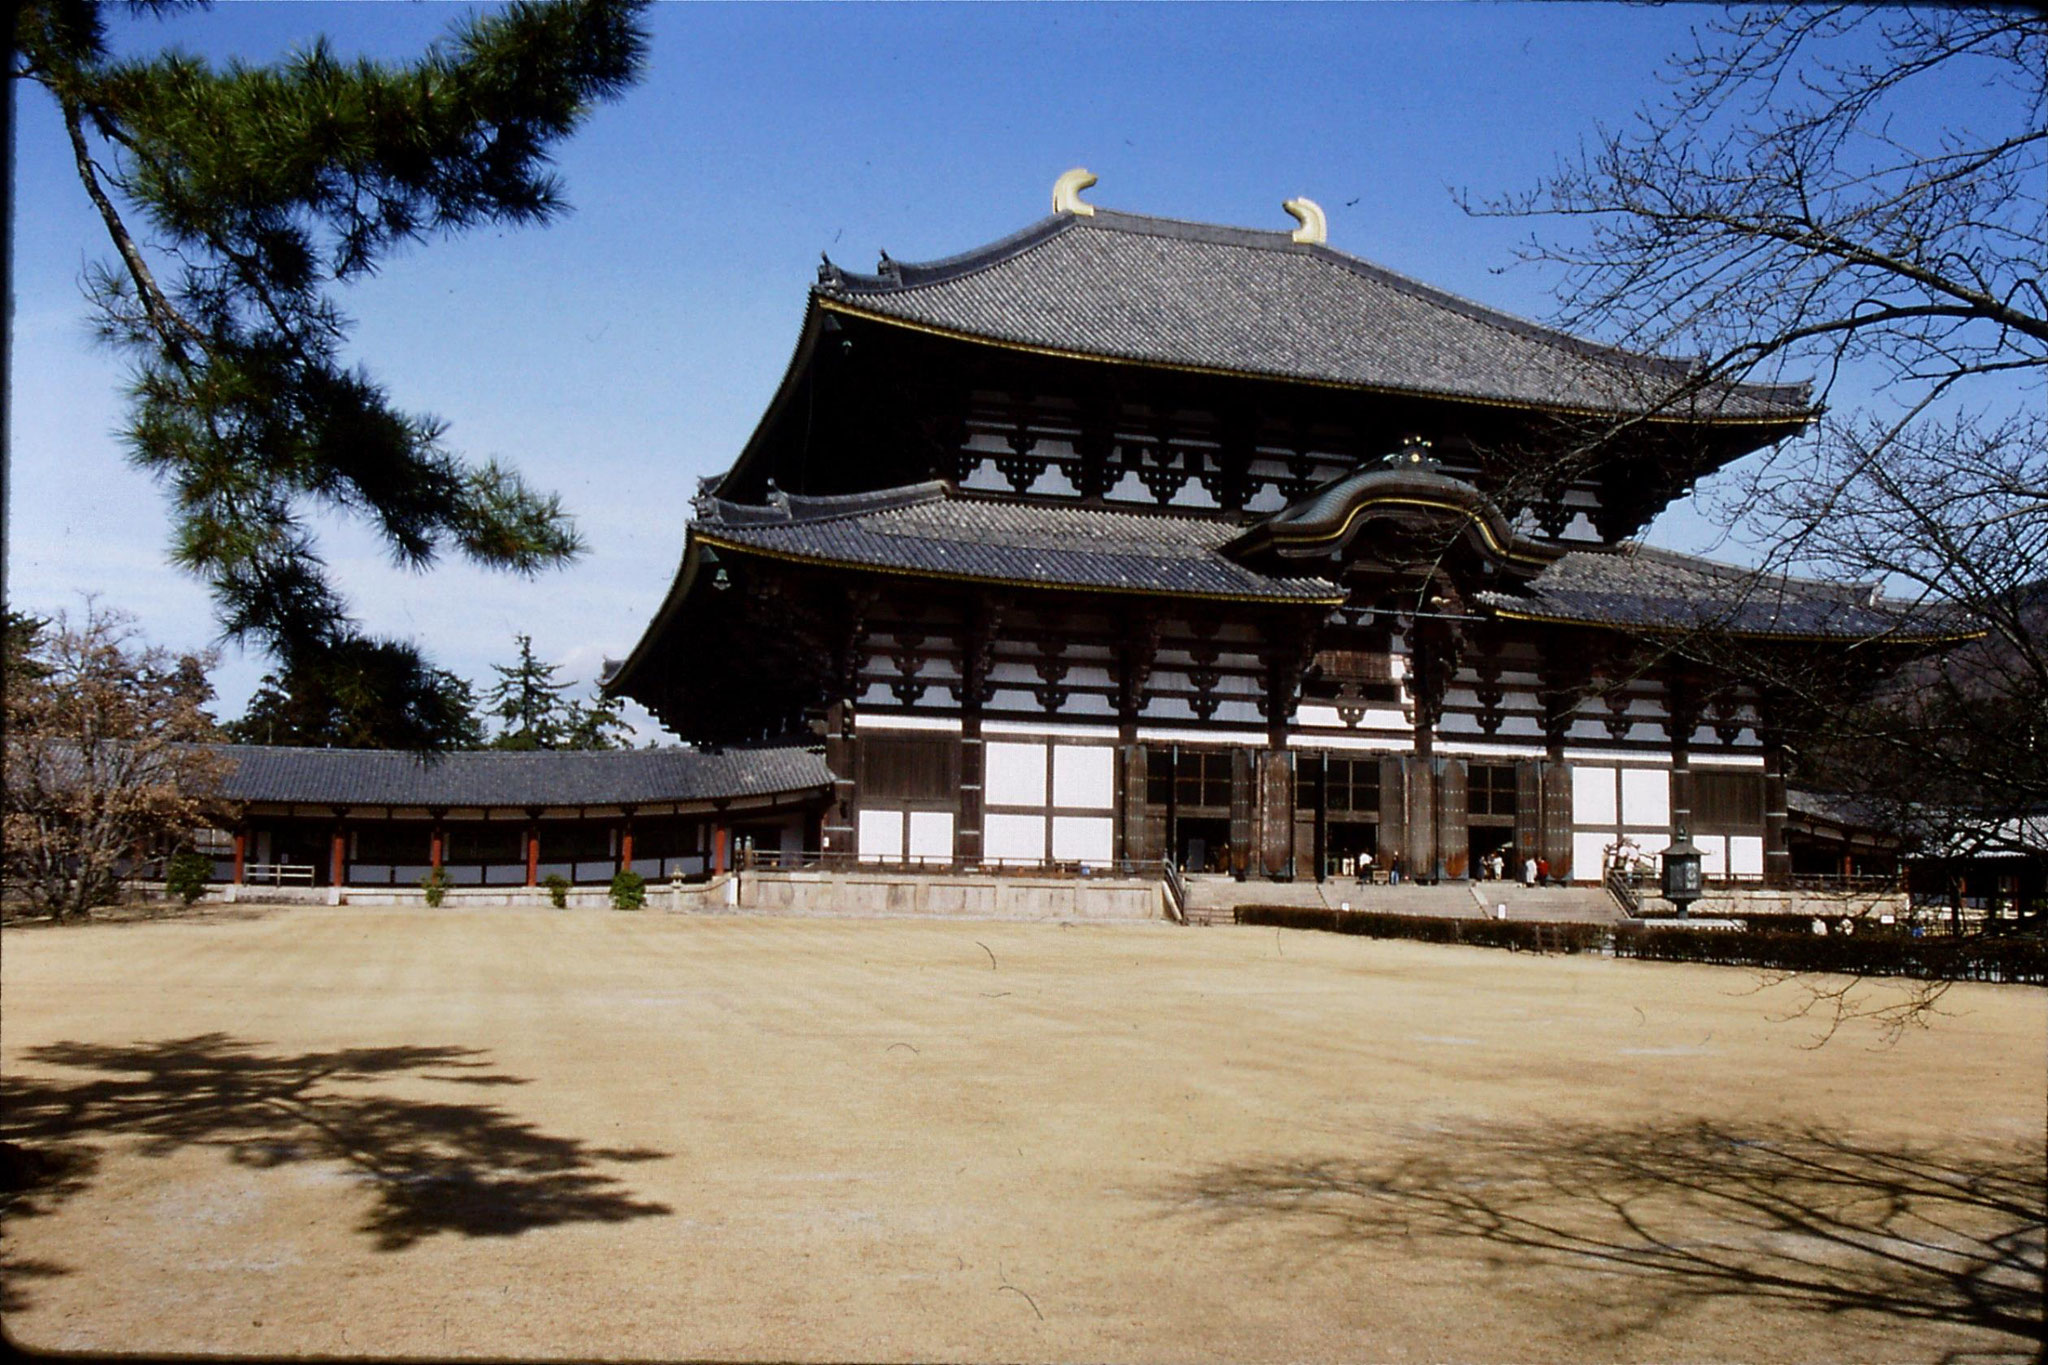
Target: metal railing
x=1621, y=885
x=1176, y=890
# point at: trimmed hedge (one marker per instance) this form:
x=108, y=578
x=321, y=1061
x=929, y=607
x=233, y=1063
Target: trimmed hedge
x=1969, y=958
x=1487, y=933
x=2022, y=961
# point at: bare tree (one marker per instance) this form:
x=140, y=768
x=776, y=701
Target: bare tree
x=1861, y=195
x=103, y=758
x=1857, y=195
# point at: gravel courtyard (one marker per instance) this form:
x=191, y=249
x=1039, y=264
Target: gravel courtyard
x=590, y=1134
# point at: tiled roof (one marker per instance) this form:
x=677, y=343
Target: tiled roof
x=385, y=777
x=1632, y=585
x=922, y=530
x=1160, y=291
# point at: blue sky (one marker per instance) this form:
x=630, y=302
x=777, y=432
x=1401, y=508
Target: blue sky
x=621, y=353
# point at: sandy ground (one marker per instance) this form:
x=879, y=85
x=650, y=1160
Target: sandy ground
x=592, y=1134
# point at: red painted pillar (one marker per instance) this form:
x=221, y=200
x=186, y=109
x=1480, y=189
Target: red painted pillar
x=438, y=849
x=241, y=854
x=337, y=865
x=626, y=847
x=717, y=848
x=532, y=855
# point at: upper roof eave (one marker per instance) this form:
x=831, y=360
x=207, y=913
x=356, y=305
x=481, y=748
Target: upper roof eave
x=846, y=290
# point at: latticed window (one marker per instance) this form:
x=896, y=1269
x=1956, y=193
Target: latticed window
x=1353, y=786
x=1193, y=777
x=1727, y=802
x=1490, y=789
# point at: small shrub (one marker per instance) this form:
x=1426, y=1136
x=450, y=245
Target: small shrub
x=558, y=890
x=187, y=875
x=435, y=884
x=629, y=890
x=1490, y=933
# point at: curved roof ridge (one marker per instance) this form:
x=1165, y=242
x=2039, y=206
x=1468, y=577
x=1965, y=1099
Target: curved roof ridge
x=912, y=274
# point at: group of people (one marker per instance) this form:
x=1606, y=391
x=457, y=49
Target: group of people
x=1495, y=867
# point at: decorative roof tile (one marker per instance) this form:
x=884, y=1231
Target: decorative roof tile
x=388, y=777
x=1160, y=291
x=1633, y=585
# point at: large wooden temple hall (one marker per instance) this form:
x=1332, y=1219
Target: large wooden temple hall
x=1125, y=538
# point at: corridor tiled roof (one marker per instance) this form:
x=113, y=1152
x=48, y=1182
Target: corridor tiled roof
x=387, y=777
x=921, y=530
x=1659, y=590
x=1241, y=301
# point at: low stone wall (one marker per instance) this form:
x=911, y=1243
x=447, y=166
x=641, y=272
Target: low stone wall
x=943, y=894
x=1829, y=905
x=799, y=893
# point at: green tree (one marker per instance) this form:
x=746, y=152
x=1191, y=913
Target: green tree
x=365, y=694
x=533, y=708
x=537, y=711
x=259, y=190
x=598, y=724
x=21, y=640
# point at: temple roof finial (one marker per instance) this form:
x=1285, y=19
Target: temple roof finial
x=1315, y=227
x=1066, y=193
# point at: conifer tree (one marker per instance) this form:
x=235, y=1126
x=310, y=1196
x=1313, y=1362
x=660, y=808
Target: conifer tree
x=237, y=201
x=366, y=694
x=533, y=707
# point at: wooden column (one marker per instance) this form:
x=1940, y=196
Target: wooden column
x=1137, y=839
x=1276, y=813
x=836, y=833
x=437, y=848
x=1777, y=856
x=241, y=855
x=1682, y=711
x=1453, y=839
x=1528, y=812
x=1556, y=847
x=337, y=862
x=626, y=844
x=967, y=841
x=1319, y=840
x=1393, y=830
x=1244, y=804
x=1418, y=849
x=718, y=848
x=532, y=853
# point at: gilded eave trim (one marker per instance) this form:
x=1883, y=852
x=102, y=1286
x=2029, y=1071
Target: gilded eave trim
x=1505, y=551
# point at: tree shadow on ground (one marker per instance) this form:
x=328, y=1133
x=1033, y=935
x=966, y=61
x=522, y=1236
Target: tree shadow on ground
x=1674, y=1215
x=431, y=1165
x=35, y=1181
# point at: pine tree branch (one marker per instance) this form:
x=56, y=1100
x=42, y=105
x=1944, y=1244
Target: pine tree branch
x=171, y=324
